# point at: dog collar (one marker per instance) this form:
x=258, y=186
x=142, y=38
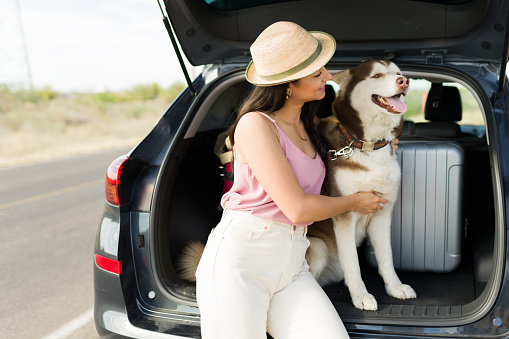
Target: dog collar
x=364, y=146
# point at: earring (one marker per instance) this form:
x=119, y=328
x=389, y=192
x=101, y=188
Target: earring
x=288, y=94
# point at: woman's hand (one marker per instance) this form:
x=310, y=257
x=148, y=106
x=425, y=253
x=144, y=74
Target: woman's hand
x=395, y=143
x=369, y=202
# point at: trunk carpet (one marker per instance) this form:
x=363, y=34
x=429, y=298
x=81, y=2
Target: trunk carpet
x=438, y=289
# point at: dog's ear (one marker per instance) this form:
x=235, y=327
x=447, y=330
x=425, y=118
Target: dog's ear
x=340, y=77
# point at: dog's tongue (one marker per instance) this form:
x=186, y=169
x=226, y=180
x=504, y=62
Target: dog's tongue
x=397, y=104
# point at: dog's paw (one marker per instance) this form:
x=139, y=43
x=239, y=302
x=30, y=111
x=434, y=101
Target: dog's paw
x=365, y=302
x=401, y=291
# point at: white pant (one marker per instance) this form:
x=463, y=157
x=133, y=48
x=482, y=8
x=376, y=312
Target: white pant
x=253, y=278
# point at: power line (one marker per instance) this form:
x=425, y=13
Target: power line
x=14, y=62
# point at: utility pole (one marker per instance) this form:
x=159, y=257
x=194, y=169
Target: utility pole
x=14, y=62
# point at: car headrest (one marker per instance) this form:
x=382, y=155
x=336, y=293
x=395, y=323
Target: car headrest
x=443, y=104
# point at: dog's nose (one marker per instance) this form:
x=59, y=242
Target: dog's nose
x=403, y=82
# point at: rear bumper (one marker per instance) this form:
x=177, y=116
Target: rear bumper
x=110, y=314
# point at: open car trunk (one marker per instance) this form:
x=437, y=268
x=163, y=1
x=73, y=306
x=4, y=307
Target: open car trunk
x=187, y=208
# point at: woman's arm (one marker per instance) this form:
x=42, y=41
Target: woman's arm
x=256, y=143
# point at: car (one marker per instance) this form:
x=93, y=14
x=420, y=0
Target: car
x=452, y=249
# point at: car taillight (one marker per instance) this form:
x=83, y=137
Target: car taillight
x=110, y=265
x=112, y=182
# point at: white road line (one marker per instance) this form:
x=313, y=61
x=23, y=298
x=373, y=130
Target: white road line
x=71, y=326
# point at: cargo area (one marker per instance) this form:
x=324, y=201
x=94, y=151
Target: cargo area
x=194, y=185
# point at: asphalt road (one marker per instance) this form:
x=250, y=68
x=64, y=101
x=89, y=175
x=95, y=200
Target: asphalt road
x=49, y=214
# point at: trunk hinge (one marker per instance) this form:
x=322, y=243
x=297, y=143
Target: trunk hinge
x=435, y=57
x=177, y=51
x=503, y=65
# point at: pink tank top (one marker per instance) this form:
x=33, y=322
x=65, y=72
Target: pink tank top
x=248, y=195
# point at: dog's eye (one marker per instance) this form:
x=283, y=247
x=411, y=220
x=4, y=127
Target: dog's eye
x=378, y=75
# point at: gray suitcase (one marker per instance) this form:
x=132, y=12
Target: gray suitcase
x=427, y=221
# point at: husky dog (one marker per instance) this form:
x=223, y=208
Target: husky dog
x=367, y=115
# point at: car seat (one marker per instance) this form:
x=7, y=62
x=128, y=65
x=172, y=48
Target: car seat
x=442, y=110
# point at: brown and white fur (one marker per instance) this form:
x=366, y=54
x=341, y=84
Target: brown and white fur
x=359, y=107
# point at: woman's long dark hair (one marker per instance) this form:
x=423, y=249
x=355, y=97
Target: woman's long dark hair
x=272, y=98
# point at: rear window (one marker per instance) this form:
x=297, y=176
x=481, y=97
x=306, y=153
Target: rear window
x=416, y=99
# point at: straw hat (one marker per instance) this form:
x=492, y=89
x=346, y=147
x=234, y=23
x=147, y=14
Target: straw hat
x=284, y=52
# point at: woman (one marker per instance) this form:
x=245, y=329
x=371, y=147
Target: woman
x=253, y=277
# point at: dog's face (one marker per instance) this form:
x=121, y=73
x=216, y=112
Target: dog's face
x=375, y=86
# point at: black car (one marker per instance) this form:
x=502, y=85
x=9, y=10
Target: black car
x=166, y=191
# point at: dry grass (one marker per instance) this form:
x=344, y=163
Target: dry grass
x=34, y=127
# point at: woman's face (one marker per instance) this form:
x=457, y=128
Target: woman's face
x=311, y=87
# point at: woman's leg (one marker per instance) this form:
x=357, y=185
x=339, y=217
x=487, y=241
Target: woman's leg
x=233, y=310
x=303, y=310
x=237, y=272
x=300, y=308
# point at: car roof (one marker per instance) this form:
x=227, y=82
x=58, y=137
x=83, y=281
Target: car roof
x=221, y=31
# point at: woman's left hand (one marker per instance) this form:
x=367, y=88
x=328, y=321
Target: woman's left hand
x=395, y=143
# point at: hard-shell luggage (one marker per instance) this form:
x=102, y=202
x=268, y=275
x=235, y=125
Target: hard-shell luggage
x=427, y=222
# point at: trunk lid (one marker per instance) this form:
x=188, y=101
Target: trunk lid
x=427, y=31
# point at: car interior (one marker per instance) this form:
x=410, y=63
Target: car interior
x=190, y=206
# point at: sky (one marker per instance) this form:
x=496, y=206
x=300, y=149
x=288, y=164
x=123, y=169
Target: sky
x=86, y=45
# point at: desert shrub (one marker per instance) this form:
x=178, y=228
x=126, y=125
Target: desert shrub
x=143, y=92
x=169, y=94
x=46, y=94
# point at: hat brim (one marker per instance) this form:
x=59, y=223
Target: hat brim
x=328, y=49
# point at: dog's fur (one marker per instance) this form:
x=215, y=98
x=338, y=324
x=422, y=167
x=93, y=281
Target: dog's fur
x=332, y=254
